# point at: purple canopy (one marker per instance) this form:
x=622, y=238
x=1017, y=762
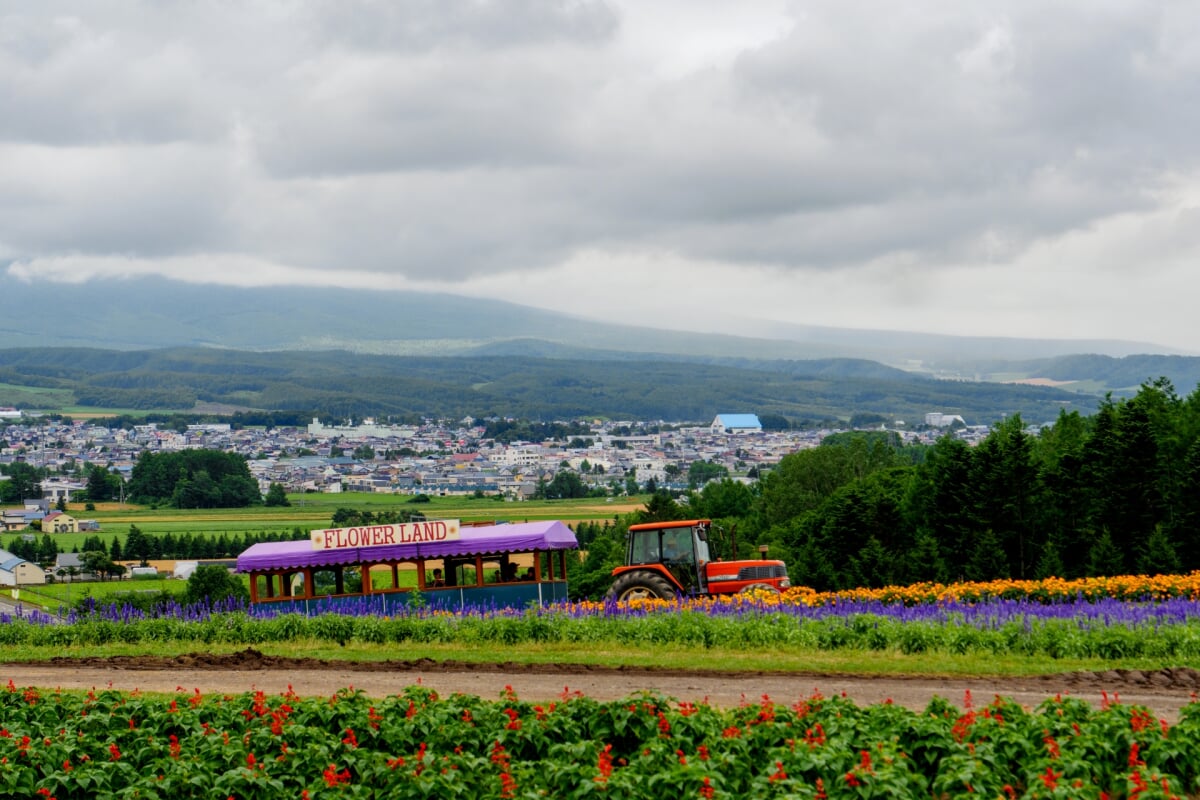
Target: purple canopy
x=522, y=537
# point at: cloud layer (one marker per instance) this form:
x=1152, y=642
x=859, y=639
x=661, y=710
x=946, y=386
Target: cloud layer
x=976, y=169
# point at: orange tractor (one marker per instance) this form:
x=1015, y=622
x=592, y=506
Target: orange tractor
x=663, y=559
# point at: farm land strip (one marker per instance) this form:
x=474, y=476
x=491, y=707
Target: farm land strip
x=1164, y=691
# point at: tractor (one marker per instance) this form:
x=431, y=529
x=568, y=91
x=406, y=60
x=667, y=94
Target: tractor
x=665, y=559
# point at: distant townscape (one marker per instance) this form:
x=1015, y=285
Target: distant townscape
x=435, y=458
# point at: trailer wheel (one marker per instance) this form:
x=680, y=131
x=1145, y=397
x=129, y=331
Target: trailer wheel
x=641, y=585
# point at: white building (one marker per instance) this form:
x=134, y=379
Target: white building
x=736, y=423
x=936, y=419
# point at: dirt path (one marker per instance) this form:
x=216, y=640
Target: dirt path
x=1164, y=692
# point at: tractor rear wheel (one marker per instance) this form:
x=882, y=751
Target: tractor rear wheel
x=750, y=588
x=641, y=585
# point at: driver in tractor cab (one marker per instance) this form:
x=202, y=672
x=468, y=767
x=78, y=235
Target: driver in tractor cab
x=673, y=550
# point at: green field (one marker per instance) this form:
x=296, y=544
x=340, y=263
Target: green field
x=29, y=397
x=309, y=511
x=52, y=595
x=316, y=510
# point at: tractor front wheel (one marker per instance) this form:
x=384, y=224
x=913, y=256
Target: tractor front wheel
x=641, y=585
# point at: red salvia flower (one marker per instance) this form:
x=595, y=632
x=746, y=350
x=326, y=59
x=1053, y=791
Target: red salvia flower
x=333, y=777
x=604, y=764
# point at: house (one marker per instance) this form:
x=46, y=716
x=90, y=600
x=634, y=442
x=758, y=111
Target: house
x=19, y=519
x=736, y=424
x=16, y=571
x=59, y=522
x=64, y=562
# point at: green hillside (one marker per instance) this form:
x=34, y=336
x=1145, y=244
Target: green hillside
x=340, y=384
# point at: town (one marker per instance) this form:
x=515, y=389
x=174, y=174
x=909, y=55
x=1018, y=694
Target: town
x=436, y=458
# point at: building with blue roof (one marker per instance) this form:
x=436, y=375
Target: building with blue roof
x=16, y=571
x=736, y=423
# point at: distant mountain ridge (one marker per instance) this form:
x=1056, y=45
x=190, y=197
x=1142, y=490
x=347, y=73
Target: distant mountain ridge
x=412, y=387
x=155, y=312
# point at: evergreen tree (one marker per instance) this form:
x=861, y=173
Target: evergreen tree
x=1050, y=564
x=924, y=562
x=1158, y=556
x=988, y=561
x=1105, y=558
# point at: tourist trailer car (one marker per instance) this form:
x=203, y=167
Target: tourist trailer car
x=376, y=568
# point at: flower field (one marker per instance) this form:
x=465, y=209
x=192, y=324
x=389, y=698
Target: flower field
x=111, y=744
x=1113, y=618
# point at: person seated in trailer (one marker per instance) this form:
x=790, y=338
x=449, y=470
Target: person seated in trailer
x=529, y=575
x=438, y=580
x=509, y=572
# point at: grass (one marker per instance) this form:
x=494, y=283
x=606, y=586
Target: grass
x=609, y=655
x=309, y=511
x=63, y=592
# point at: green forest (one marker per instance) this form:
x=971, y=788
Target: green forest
x=193, y=479
x=1105, y=494
x=341, y=385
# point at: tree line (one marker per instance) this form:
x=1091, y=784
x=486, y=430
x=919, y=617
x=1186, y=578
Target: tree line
x=294, y=386
x=193, y=479
x=1112, y=493
x=141, y=546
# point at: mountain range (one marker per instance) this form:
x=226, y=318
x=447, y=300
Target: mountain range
x=199, y=322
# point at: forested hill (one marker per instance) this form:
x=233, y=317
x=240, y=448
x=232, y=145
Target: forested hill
x=344, y=384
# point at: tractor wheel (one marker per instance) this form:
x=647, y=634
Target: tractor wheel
x=757, y=587
x=640, y=585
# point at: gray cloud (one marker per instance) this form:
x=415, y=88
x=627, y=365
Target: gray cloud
x=452, y=141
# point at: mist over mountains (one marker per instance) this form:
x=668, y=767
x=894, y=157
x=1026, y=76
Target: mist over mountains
x=154, y=312
x=162, y=344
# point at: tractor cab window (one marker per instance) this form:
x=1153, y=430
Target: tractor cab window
x=679, y=556
x=643, y=547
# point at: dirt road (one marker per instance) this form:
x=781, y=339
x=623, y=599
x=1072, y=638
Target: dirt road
x=1164, y=692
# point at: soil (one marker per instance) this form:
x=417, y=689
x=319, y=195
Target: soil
x=1164, y=691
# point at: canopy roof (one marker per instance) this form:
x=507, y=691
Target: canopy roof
x=522, y=537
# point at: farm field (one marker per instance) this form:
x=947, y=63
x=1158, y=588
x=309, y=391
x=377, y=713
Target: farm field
x=992, y=666
x=423, y=740
x=309, y=511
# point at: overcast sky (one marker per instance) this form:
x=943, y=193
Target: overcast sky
x=1016, y=168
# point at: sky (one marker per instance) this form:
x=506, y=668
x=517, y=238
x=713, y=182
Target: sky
x=1021, y=168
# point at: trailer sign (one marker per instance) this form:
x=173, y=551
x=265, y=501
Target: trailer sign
x=436, y=530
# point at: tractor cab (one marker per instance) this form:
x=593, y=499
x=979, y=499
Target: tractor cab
x=680, y=548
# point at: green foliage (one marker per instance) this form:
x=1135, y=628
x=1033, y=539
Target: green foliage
x=276, y=496
x=24, y=482
x=295, y=385
x=701, y=472
x=102, y=484
x=214, y=583
x=566, y=485
x=1086, y=496
x=415, y=745
x=346, y=517
x=194, y=479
